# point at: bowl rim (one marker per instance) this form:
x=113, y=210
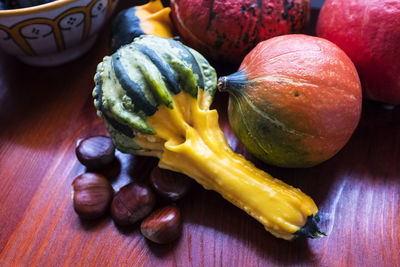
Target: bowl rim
x=35, y=9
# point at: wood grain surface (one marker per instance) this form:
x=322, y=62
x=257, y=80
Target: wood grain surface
x=44, y=111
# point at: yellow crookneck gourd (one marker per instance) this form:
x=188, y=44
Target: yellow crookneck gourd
x=154, y=96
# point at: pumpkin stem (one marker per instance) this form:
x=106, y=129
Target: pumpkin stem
x=234, y=82
x=222, y=84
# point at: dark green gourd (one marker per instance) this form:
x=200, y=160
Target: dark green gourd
x=125, y=27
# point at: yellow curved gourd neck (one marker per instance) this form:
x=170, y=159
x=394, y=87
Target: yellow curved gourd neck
x=155, y=19
x=190, y=141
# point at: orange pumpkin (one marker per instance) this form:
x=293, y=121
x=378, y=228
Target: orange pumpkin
x=295, y=100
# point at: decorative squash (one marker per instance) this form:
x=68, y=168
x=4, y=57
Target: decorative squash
x=154, y=96
x=295, y=100
x=228, y=30
x=152, y=18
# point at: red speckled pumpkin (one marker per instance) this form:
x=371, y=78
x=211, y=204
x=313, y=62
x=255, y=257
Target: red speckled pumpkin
x=228, y=30
x=369, y=32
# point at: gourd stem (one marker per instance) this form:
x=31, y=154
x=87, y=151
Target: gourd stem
x=310, y=229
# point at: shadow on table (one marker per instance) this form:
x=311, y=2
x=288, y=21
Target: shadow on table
x=46, y=100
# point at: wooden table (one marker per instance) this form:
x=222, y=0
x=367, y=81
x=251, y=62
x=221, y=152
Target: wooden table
x=44, y=111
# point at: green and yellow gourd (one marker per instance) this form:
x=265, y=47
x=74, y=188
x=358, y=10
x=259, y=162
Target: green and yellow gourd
x=154, y=96
x=151, y=19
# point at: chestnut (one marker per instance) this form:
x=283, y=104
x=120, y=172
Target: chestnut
x=163, y=225
x=95, y=152
x=169, y=184
x=92, y=194
x=132, y=203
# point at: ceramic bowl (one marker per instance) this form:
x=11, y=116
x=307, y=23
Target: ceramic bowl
x=54, y=33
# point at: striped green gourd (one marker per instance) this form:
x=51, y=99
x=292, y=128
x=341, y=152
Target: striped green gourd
x=166, y=65
x=154, y=96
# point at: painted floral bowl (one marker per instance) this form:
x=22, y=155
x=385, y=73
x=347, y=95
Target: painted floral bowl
x=53, y=33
